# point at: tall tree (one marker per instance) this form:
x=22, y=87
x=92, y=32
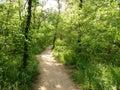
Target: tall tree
x=25, y=55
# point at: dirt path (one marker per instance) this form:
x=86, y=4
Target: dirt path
x=53, y=75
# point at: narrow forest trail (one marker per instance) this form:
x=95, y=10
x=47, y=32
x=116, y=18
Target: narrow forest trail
x=53, y=75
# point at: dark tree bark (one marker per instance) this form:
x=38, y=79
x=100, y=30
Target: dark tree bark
x=81, y=2
x=25, y=56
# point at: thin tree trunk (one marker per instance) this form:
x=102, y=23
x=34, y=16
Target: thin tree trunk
x=34, y=15
x=79, y=31
x=55, y=34
x=20, y=16
x=25, y=56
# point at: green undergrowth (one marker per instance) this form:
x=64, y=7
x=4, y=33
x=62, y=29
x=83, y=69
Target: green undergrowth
x=89, y=71
x=100, y=78
x=13, y=77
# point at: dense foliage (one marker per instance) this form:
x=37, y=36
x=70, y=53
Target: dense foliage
x=85, y=36
x=90, y=43
x=13, y=17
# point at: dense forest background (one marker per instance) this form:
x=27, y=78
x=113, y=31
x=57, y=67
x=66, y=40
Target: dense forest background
x=85, y=36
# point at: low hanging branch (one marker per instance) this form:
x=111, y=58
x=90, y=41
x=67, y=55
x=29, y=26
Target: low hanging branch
x=25, y=55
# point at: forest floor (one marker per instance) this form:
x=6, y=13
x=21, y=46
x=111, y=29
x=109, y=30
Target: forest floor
x=53, y=75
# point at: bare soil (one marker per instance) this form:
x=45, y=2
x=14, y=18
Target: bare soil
x=53, y=75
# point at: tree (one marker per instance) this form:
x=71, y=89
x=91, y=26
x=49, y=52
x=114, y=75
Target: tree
x=56, y=25
x=26, y=32
x=79, y=26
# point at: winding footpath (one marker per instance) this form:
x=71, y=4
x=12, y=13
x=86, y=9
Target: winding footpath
x=53, y=75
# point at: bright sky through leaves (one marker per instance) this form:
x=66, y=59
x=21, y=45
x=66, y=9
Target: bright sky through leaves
x=52, y=4
x=2, y=1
